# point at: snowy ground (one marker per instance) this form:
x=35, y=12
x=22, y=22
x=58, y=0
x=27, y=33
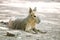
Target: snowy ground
x=49, y=14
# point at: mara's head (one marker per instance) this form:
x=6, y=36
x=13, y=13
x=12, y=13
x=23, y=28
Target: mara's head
x=32, y=14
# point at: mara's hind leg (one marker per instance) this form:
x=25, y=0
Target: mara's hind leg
x=37, y=30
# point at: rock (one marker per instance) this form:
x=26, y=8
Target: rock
x=10, y=34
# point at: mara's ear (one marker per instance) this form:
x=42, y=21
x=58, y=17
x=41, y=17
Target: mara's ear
x=34, y=9
x=30, y=10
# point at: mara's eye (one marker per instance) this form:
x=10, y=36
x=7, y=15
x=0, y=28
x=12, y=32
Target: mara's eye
x=34, y=16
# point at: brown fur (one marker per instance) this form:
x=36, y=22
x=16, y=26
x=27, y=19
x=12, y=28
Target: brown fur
x=26, y=24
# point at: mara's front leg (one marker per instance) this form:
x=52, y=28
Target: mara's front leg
x=29, y=29
x=37, y=30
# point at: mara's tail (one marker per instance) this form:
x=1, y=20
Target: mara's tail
x=5, y=23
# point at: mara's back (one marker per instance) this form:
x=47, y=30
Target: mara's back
x=17, y=24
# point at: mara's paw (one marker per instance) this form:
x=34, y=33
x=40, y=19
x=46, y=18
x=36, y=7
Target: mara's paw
x=39, y=31
x=31, y=31
x=43, y=32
